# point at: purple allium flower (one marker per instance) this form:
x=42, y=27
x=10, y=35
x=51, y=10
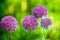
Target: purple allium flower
x=39, y=11
x=45, y=22
x=29, y=22
x=9, y=23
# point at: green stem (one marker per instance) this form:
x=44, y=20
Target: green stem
x=44, y=33
x=9, y=36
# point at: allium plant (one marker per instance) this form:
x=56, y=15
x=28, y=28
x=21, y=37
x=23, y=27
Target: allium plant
x=39, y=11
x=29, y=22
x=45, y=22
x=9, y=23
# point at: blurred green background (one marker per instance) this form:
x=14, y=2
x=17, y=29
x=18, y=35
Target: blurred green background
x=21, y=8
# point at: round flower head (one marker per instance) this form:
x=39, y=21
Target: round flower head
x=29, y=22
x=9, y=23
x=39, y=11
x=45, y=22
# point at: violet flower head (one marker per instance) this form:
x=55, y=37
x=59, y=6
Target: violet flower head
x=39, y=11
x=29, y=22
x=9, y=23
x=45, y=22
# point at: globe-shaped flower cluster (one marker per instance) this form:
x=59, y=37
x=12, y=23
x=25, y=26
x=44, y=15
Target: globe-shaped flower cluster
x=29, y=22
x=9, y=23
x=45, y=22
x=39, y=11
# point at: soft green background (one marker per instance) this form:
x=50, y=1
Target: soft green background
x=22, y=8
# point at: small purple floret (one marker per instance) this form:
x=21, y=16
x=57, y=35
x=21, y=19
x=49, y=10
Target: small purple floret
x=45, y=22
x=9, y=23
x=29, y=22
x=39, y=11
